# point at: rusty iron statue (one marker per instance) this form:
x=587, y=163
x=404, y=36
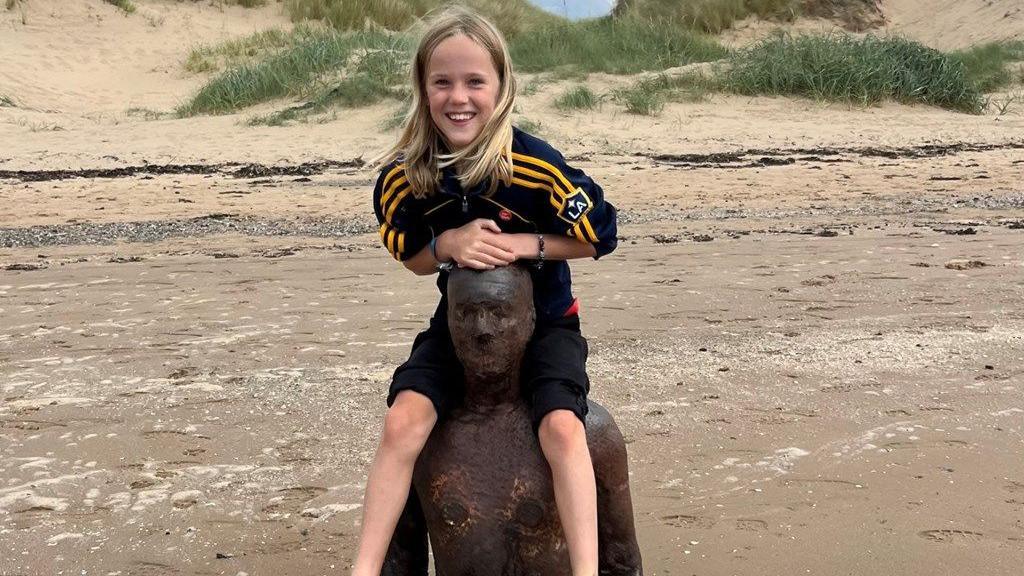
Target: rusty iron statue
x=482, y=489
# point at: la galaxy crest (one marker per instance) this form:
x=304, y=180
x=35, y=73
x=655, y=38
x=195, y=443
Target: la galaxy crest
x=576, y=206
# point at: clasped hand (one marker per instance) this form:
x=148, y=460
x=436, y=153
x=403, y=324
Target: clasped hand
x=479, y=244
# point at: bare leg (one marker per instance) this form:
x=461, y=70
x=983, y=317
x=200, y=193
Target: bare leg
x=563, y=439
x=406, y=427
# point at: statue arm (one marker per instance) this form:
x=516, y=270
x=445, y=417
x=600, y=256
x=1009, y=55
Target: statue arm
x=407, y=553
x=619, y=551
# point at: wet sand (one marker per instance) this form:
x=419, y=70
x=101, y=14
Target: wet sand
x=811, y=335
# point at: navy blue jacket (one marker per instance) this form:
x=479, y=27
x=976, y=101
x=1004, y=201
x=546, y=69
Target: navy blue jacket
x=547, y=196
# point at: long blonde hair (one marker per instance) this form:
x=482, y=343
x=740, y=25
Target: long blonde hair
x=420, y=147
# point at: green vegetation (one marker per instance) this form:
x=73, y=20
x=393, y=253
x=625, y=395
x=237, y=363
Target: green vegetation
x=712, y=16
x=987, y=64
x=527, y=125
x=1001, y=105
x=7, y=102
x=126, y=6
x=350, y=63
x=372, y=77
x=246, y=3
x=643, y=99
x=843, y=68
x=370, y=64
x=613, y=46
x=274, y=64
x=514, y=16
x=533, y=85
x=577, y=98
x=147, y=113
x=235, y=52
x=648, y=96
x=511, y=16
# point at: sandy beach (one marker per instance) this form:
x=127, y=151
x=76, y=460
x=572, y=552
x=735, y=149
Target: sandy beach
x=811, y=334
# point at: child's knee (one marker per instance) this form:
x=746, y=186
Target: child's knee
x=409, y=421
x=560, y=431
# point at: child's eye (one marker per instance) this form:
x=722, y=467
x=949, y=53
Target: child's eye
x=441, y=82
x=477, y=82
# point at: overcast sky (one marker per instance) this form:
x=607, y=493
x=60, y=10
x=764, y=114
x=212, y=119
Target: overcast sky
x=576, y=9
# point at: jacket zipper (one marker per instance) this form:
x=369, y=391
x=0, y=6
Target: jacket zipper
x=465, y=204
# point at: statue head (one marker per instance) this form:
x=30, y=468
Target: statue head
x=491, y=318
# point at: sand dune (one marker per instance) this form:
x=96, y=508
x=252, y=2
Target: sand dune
x=953, y=24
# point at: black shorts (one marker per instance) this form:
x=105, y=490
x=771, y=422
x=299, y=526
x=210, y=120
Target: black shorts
x=554, y=372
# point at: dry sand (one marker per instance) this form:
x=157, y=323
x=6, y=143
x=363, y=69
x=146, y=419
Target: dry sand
x=811, y=334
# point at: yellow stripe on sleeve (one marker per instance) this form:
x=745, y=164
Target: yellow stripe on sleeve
x=400, y=169
x=391, y=190
x=398, y=200
x=578, y=233
x=544, y=165
x=590, y=229
x=538, y=186
x=391, y=242
x=555, y=186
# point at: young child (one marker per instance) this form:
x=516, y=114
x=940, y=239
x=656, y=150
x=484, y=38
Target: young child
x=462, y=187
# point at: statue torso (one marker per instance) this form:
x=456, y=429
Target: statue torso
x=487, y=497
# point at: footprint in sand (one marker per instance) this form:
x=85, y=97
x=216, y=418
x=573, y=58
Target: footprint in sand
x=151, y=569
x=31, y=425
x=292, y=499
x=1015, y=487
x=280, y=547
x=687, y=521
x=951, y=536
x=751, y=525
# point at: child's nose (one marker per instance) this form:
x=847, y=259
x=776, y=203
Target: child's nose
x=460, y=93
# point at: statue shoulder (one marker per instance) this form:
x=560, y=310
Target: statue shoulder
x=603, y=436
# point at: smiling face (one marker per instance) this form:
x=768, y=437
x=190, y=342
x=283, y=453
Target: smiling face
x=462, y=87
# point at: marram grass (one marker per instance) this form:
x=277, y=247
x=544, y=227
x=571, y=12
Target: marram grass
x=328, y=68
x=711, y=16
x=649, y=95
x=528, y=125
x=374, y=76
x=988, y=65
x=577, y=98
x=204, y=58
x=843, y=68
x=126, y=6
x=299, y=70
x=510, y=16
x=612, y=46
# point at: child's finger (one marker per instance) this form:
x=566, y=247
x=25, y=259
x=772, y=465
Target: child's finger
x=498, y=242
x=477, y=265
x=499, y=252
x=489, y=224
x=490, y=260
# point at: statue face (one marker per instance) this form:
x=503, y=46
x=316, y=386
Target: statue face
x=491, y=318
